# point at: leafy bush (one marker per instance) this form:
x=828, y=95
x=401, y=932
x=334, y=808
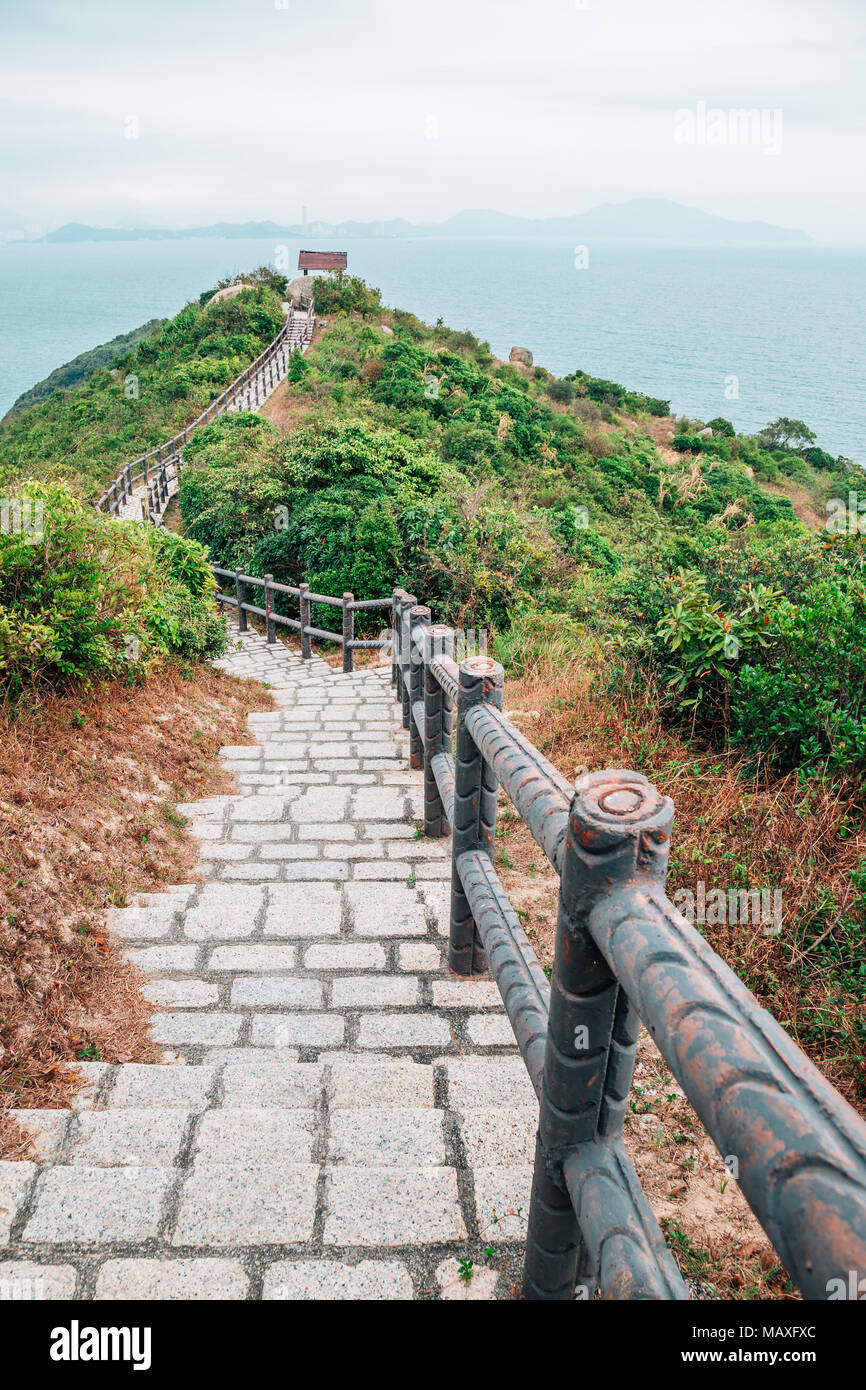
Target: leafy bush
x=298, y=366
x=610, y=393
x=760, y=639
x=341, y=293
x=561, y=391
x=86, y=596
x=719, y=425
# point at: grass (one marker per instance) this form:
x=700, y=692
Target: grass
x=733, y=830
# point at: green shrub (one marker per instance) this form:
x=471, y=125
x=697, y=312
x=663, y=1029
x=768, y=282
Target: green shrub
x=92, y=597
x=342, y=293
x=298, y=366
x=719, y=425
x=760, y=639
x=561, y=391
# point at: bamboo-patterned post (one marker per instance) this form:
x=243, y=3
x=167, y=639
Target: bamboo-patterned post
x=306, y=644
x=592, y=1027
x=406, y=604
x=241, y=595
x=438, y=715
x=419, y=617
x=395, y=639
x=348, y=631
x=269, y=609
x=481, y=680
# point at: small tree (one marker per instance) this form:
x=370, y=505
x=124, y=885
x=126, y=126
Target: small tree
x=786, y=434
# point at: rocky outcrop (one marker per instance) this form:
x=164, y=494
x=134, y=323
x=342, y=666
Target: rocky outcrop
x=520, y=356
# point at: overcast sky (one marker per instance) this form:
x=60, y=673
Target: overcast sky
x=380, y=108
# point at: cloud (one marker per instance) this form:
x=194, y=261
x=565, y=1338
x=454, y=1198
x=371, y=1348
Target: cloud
x=246, y=108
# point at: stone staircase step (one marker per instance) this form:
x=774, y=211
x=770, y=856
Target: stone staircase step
x=336, y=1114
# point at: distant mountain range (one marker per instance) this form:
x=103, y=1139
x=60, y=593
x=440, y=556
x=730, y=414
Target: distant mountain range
x=641, y=219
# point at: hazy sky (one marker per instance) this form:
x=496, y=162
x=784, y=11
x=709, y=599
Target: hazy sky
x=380, y=108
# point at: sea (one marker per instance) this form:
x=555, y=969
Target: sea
x=747, y=333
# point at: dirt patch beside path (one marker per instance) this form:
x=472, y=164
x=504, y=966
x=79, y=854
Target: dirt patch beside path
x=88, y=790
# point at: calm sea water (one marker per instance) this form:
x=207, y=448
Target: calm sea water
x=788, y=325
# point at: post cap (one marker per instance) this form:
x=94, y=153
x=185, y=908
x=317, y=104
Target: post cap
x=480, y=665
x=614, y=804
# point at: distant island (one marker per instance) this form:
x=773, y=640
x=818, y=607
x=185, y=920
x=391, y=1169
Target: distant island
x=640, y=219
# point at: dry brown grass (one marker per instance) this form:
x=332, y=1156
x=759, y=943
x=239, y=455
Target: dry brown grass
x=88, y=789
x=729, y=831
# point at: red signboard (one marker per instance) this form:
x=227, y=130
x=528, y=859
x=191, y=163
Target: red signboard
x=322, y=260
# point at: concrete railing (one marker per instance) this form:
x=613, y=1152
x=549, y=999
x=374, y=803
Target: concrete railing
x=302, y=624
x=623, y=955
x=258, y=380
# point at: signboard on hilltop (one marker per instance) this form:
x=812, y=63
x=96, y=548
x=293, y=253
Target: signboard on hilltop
x=322, y=260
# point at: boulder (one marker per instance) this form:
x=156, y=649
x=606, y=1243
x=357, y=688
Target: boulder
x=229, y=292
x=520, y=356
x=302, y=284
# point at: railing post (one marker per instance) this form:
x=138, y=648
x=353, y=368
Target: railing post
x=592, y=1027
x=407, y=602
x=475, y=790
x=348, y=631
x=306, y=644
x=419, y=616
x=269, y=609
x=396, y=599
x=241, y=595
x=438, y=718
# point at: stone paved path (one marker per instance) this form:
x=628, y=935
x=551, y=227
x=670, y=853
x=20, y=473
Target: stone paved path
x=337, y=1114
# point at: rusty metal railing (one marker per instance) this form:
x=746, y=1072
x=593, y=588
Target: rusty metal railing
x=305, y=597
x=255, y=383
x=623, y=954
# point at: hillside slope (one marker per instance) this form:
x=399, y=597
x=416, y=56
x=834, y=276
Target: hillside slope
x=83, y=432
x=79, y=368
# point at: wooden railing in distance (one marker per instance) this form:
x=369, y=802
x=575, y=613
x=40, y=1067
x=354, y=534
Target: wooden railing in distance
x=305, y=598
x=623, y=954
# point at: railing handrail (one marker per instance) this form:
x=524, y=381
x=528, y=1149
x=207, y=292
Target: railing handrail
x=169, y=451
x=623, y=954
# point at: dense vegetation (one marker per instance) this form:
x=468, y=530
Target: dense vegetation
x=84, y=597
x=79, y=368
x=507, y=497
x=84, y=435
